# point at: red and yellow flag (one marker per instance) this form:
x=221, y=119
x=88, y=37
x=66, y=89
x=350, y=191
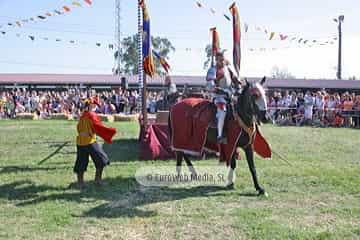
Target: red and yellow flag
x=236, y=37
x=162, y=60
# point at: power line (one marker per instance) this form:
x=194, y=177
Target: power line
x=53, y=66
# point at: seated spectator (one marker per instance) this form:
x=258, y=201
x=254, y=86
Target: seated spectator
x=338, y=121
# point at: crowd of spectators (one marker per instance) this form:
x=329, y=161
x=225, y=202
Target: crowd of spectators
x=319, y=108
x=46, y=103
x=288, y=108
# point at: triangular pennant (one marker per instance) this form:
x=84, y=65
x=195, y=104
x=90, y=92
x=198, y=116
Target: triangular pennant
x=77, y=4
x=66, y=9
x=213, y=10
x=198, y=3
x=246, y=27
x=3, y=32
x=272, y=34
x=10, y=24
x=227, y=17
x=48, y=14
x=41, y=17
x=283, y=37
x=98, y=44
x=18, y=24
x=32, y=38
x=88, y=2
x=71, y=41
x=111, y=46
x=58, y=40
x=58, y=12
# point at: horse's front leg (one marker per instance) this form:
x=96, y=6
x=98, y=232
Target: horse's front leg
x=179, y=159
x=231, y=174
x=250, y=160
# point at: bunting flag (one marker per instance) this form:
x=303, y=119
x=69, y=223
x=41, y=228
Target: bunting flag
x=32, y=38
x=236, y=38
x=272, y=34
x=198, y=3
x=283, y=37
x=246, y=27
x=148, y=59
x=55, y=12
x=227, y=17
x=215, y=41
x=77, y=4
x=163, y=61
x=66, y=9
x=213, y=10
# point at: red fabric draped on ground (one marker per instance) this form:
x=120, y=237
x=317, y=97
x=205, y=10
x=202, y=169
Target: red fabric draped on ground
x=155, y=142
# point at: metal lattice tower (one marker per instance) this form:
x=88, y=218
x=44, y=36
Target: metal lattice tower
x=117, y=64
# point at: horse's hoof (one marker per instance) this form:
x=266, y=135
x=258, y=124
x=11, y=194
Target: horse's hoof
x=263, y=193
x=230, y=186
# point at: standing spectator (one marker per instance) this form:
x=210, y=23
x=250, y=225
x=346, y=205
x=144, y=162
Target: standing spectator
x=309, y=104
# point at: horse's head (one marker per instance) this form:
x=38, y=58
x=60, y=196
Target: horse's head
x=252, y=101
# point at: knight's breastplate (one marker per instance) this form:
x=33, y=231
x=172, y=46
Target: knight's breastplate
x=223, y=78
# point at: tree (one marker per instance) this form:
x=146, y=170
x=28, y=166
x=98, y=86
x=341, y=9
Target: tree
x=129, y=55
x=208, y=51
x=283, y=73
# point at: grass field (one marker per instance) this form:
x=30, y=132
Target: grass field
x=318, y=197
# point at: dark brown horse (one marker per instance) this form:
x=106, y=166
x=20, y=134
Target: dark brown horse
x=250, y=108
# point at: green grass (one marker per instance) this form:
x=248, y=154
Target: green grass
x=318, y=197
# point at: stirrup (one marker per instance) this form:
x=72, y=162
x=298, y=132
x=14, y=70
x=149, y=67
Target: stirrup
x=221, y=140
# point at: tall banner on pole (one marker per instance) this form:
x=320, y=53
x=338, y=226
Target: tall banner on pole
x=215, y=44
x=236, y=37
x=149, y=66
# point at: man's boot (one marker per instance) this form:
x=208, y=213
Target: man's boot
x=98, y=177
x=80, y=180
x=221, y=114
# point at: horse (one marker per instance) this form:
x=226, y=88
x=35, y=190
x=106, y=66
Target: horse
x=249, y=108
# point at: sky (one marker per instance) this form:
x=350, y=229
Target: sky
x=187, y=27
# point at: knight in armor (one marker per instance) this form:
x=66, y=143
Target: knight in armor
x=221, y=83
x=171, y=93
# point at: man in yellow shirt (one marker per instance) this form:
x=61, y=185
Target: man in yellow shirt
x=88, y=127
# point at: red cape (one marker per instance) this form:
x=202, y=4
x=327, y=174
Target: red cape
x=105, y=133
